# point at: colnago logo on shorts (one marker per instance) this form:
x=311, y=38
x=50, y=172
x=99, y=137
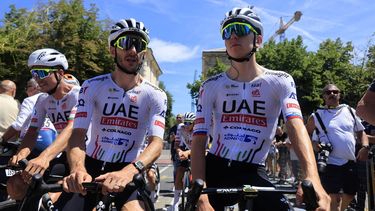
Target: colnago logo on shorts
x=120, y=115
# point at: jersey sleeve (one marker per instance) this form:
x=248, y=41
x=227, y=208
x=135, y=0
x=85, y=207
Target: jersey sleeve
x=26, y=111
x=158, y=109
x=288, y=98
x=83, y=111
x=39, y=113
x=204, y=109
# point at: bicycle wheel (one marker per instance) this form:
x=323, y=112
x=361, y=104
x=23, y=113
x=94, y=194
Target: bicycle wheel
x=185, y=188
x=9, y=205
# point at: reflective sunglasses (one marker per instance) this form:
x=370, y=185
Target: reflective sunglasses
x=328, y=92
x=240, y=29
x=128, y=41
x=41, y=73
x=188, y=123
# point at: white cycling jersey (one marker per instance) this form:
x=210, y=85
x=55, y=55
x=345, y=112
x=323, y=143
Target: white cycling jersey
x=60, y=112
x=23, y=119
x=245, y=114
x=119, y=118
x=183, y=137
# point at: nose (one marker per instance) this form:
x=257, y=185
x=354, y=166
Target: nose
x=233, y=35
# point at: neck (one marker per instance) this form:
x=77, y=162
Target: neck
x=62, y=89
x=126, y=81
x=244, y=71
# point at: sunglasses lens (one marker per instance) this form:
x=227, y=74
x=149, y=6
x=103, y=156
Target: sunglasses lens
x=187, y=123
x=240, y=29
x=41, y=74
x=332, y=91
x=128, y=42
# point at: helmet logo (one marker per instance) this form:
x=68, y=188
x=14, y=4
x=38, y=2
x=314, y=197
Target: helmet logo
x=41, y=55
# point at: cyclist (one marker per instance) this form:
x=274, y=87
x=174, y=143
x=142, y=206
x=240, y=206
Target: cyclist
x=121, y=106
x=59, y=104
x=19, y=127
x=244, y=104
x=182, y=146
x=365, y=107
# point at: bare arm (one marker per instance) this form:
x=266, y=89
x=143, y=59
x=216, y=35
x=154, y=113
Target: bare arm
x=198, y=151
x=76, y=150
x=10, y=133
x=365, y=107
x=152, y=151
x=302, y=145
x=363, y=152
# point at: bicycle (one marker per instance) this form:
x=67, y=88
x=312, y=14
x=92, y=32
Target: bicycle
x=107, y=202
x=249, y=192
x=186, y=185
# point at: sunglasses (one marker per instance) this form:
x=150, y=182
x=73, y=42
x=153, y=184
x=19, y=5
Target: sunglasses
x=328, y=92
x=41, y=73
x=188, y=123
x=240, y=29
x=127, y=42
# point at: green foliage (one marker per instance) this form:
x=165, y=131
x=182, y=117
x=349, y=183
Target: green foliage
x=63, y=25
x=219, y=67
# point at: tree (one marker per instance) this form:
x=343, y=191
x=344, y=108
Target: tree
x=219, y=67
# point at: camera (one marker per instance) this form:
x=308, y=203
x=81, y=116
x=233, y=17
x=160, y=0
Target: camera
x=323, y=154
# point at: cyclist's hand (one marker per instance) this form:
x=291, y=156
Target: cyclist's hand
x=36, y=165
x=73, y=182
x=116, y=181
x=183, y=155
x=15, y=158
x=323, y=198
x=203, y=204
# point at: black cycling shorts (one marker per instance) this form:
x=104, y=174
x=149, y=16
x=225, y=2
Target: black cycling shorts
x=220, y=175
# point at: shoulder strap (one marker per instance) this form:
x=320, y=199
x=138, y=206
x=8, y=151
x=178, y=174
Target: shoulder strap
x=321, y=122
x=355, y=120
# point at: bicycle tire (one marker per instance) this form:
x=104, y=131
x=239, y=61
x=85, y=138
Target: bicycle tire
x=9, y=205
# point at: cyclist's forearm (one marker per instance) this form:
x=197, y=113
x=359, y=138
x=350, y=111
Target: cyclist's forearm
x=198, y=163
x=59, y=145
x=76, y=150
x=152, y=151
x=10, y=133
x=28, y=143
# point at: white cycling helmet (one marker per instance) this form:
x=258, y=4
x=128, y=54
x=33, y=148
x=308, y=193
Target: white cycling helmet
x=130, y=26
x=246, y=15
x=189, y=116
x=70, y=79
x=47, y=57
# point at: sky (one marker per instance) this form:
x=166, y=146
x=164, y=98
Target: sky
x=181, y=29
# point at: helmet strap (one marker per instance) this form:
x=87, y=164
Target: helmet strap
x=123, y=69
x=245, y=58
x=58, y=79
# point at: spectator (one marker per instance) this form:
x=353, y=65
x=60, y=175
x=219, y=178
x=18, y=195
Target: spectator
x=284, y=157
x=365, y=107
x=337, y=124
x=9, y=107
x=172, y=139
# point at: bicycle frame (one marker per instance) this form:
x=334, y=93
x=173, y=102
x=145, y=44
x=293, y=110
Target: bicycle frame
x=249, y=192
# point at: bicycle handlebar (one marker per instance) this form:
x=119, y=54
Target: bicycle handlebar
x=197, y=189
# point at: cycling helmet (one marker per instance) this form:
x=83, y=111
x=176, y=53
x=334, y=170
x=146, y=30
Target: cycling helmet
x=130, y=26
x=189, y=116
x=246, y=15
x=47, y=57
x=70, y=79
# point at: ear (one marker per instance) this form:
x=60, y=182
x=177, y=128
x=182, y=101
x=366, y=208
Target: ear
x=259, y=40
x=112, y=51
